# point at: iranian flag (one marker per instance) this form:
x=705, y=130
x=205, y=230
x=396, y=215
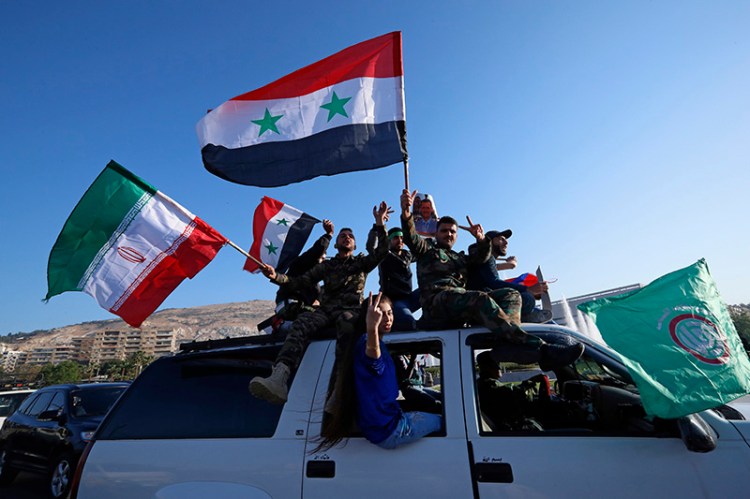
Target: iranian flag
x=341, y=114
x=279, y=234
x=129, y=246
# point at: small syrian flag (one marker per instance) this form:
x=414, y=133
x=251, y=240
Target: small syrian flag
x=129, y=246
x=341, y=114
x=280, y=232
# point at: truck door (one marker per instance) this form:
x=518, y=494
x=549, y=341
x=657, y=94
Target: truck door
x=538, y=458
x=435, y=466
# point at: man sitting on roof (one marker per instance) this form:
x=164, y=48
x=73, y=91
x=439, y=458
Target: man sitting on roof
x=343, y=278
x=484, y=277
x=441, y=273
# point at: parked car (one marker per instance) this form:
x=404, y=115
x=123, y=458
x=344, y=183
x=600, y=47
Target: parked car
x=50, y=429
x=188, y=428
x=9, y=402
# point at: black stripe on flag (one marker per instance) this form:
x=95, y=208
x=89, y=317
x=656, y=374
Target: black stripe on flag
x=296, y=238
x=338, y=150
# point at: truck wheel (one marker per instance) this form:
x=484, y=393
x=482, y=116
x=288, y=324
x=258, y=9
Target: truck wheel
x=7, y=474
x=61, y=476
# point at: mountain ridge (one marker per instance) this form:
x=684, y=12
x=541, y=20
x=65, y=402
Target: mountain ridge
x=195, y=323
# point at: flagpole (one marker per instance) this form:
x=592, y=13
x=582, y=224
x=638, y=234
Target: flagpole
x=248, y=255
x=406, y=173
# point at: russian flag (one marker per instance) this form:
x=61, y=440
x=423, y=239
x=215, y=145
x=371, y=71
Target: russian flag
x=525, y=279
x=280, y=232
x=343, y=113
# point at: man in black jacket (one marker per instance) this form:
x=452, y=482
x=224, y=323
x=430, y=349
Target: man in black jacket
x=395, y=280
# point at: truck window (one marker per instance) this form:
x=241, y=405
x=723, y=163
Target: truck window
x=419, y=373
x=592, y=397
x=199, y=395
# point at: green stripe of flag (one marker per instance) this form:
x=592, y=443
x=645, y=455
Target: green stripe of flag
x=104, y=210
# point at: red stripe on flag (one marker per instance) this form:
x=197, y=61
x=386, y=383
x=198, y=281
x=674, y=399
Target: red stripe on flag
x=376, y=58
x=158, y=281
x=264, y=213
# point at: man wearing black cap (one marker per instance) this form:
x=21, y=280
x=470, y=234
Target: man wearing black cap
x=441, y=273
x=484, y=277
x=395, y=280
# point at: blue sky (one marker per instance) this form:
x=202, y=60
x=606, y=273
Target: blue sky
x=612, y=137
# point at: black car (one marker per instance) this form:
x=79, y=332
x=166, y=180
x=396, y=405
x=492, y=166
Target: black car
x=49, y=431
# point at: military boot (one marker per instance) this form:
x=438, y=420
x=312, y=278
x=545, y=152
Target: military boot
x=537, y=316
x=273, y=388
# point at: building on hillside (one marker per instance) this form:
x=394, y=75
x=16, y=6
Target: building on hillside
x=49, y=355
x=9, y=359
x=119, y=345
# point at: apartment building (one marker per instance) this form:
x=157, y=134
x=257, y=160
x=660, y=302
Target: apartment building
x=107, y=345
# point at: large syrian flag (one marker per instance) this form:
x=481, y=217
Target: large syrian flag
x=279, y=234
x=129, y=246
x=341, y=114
x=678, y=342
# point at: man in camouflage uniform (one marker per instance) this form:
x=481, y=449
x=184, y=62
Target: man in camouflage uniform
x=343, y=279
x=441, y=274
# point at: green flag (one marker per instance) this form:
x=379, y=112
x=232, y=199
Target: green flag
x=678, y=341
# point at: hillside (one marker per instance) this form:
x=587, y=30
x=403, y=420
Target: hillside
x=199, y=323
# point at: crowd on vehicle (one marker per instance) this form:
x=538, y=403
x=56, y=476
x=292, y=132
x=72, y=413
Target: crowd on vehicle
x=454, y=288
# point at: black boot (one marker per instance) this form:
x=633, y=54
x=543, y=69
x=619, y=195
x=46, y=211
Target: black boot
x=552, y=356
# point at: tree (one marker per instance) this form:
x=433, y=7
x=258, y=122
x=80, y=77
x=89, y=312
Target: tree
x=741, y=319
x=138, y=361
x=66, y=371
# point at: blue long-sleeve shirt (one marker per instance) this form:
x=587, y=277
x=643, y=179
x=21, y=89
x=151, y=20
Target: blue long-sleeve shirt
x=484, y=276
x=378, y=411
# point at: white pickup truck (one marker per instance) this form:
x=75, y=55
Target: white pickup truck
x=188, y=428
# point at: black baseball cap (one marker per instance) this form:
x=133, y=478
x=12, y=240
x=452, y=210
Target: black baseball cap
x=495, y=233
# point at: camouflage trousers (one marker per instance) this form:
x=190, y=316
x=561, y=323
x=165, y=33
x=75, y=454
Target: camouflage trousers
x=308, y=323
x=498, y=310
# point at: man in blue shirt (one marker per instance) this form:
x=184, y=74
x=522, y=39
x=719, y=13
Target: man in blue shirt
x=484, y=277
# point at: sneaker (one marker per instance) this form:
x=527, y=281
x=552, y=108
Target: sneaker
x=553, y=356
x=273, y=388
x=537, y=316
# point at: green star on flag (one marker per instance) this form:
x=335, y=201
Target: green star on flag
x=268, y=123
x=336, y=106
x=271, y=249
x=282, y=221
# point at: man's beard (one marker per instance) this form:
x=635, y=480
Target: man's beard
x=499, y=251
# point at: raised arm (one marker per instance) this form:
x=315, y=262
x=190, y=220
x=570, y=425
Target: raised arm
x=372, y=320
x=312, y=256
x=483, y=248
x=377, y=241
x=415, y=243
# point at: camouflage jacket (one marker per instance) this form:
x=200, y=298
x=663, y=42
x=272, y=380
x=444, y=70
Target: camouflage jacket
x=438, y=268
x=343, y=278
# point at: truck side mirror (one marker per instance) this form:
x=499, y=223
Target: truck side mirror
x=696, y=433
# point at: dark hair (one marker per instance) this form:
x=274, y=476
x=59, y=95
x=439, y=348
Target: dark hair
x=340, y=424
x=346, y=229
x=447, y=220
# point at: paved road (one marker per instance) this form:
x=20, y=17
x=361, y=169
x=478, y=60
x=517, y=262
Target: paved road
x=25, y=486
